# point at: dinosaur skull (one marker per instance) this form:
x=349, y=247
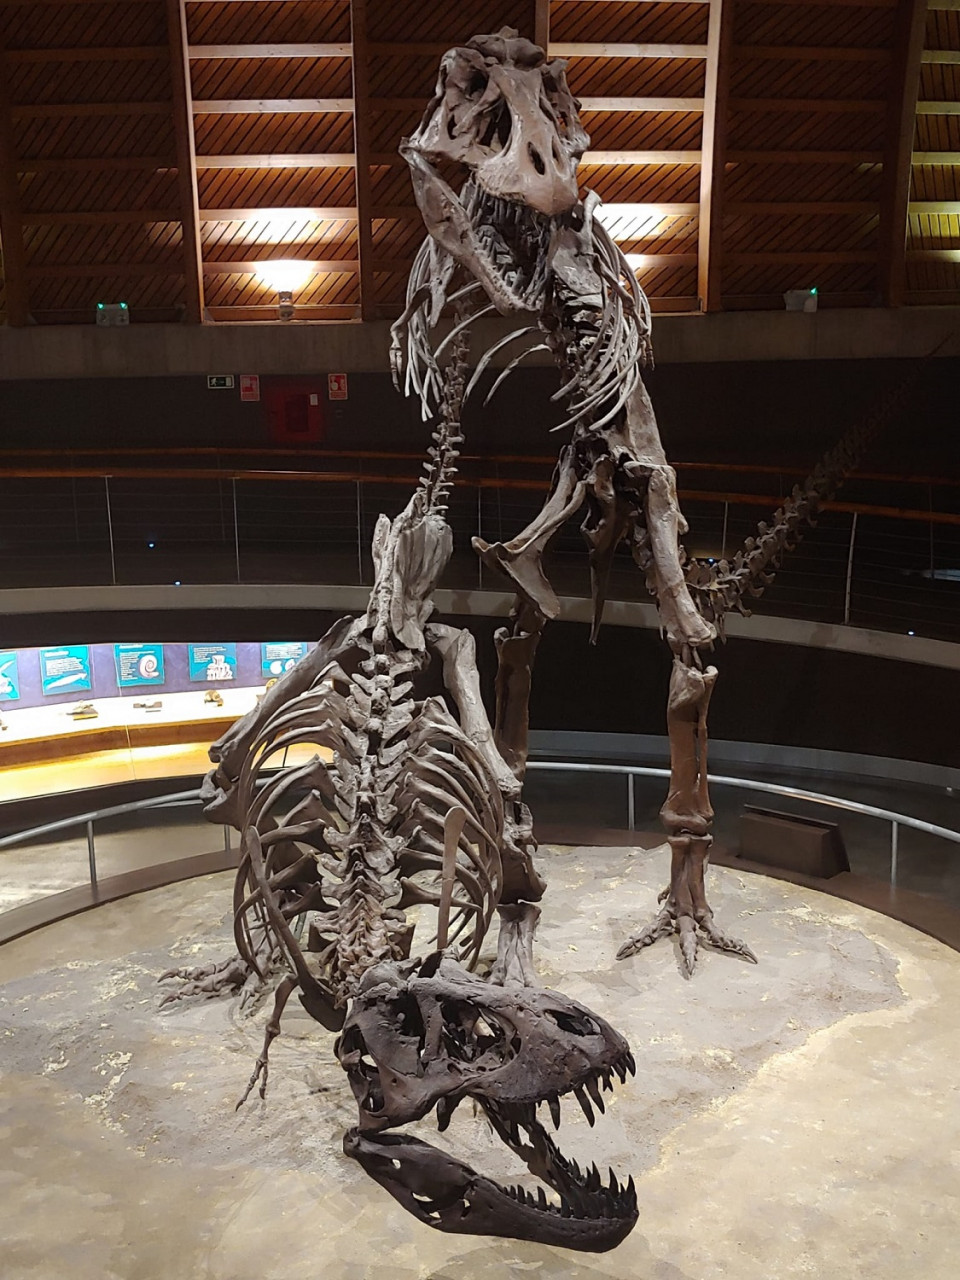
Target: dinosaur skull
x=428, y=1034
x=504, y=113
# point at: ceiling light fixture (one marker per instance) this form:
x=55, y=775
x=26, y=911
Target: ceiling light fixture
x=286, y=276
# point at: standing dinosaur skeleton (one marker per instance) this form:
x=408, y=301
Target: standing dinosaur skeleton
x=415, y=808
x=517, y=239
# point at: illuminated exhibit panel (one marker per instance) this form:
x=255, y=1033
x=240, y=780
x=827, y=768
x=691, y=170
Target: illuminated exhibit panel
x=78, y=715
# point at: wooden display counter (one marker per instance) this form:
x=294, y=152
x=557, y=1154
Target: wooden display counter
x=44, y=750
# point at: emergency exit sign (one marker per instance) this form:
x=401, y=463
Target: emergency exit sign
x=219, y=381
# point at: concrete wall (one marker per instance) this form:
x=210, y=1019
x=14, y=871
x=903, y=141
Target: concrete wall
x=85, y=351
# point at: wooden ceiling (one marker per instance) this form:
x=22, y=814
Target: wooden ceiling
x=157, y=151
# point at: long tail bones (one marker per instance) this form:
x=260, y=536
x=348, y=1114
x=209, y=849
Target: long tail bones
x=424, y=1036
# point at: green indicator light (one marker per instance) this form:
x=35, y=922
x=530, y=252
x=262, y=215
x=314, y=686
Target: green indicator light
x=813, y=291
x=123, y=305
x=99, y=306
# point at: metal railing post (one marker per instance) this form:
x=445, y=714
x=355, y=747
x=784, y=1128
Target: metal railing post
x=113, y=554
x=631, y=807
x=479, y=535
x=723, y=536
x=846, y=590
x=894, y=850
x=91, y=854
x=236, y=527
x=359, y=535
x=227, y=840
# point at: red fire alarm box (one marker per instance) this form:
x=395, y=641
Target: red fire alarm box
x=294, y=409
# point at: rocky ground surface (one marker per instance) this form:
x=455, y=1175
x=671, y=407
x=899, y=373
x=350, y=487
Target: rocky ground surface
x=121, y=1154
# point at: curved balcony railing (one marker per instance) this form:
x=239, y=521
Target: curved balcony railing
x=931, y=842
x=886, y=556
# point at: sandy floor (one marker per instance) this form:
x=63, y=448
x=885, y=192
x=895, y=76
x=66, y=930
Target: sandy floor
x=796, y=1118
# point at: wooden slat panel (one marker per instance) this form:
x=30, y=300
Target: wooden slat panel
x=127, y=53
x=11, y=225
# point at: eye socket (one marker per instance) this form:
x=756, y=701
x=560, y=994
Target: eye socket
x=478, y=82
x=575, y=1024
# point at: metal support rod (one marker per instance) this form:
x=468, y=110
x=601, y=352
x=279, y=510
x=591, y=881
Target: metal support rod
x=359, y=535
x=227, y=840
x=91, y=854
x=723, y=536
x=236, y=528
x=846, y=590
x=113, y=555
x=479, y=535
x=894, y=850
x=631, y=805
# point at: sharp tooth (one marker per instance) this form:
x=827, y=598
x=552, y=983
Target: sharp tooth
x=593, y=1179
x=631, y=1064
x=553, y=1102
x=541, y=1197
x=445, y=1109
x=594, y=1092
x=614, y=1187
x=585, y=1105
x=608, y=1081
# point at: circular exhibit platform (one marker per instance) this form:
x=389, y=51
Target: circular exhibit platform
x=798, y=1117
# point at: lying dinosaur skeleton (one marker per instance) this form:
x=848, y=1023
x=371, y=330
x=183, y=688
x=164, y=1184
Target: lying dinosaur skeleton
x=415, y=808
x=517, y=239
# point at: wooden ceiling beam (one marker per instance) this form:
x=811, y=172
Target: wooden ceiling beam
x=640, y=104
x=287, y=160
x=186, y=160
x=315, y=213
x=945, y=158
x=305, y=311
x=604, y=49
x=714, y=153
x=201, y=52
x=16, y=284
x=908, y=37
x=640, y=157
x=250, y=266
x=271, y=106
x=938, y=108
x=933, y=255
x=541, y=23
x=943, y=57
x=934, y=206
x=360, y=67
